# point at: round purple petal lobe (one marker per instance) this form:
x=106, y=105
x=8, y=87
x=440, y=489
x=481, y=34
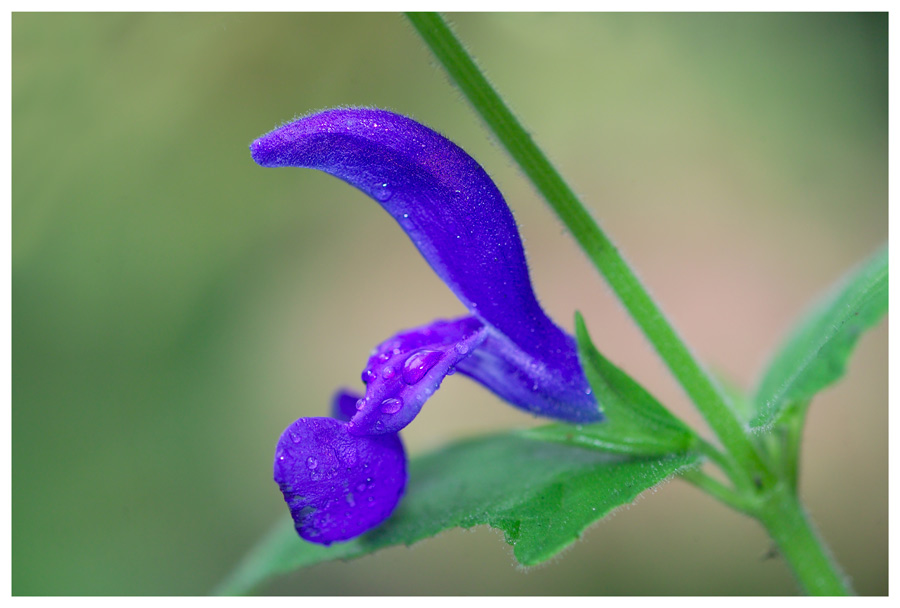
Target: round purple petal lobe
x=337, y=485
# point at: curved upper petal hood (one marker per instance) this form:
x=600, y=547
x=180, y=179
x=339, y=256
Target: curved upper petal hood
x=458, y=220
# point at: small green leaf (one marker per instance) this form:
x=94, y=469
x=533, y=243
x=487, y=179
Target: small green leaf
x=617, y=439
x=542, y=495
x=635, y=422
x=816, y=353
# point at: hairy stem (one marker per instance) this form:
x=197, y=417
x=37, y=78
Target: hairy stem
x=800, y=545
x=705, y=393
x=717, y=490
x=760, y=489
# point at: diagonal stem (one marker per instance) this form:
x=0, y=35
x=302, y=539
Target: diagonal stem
x=760, y=492
x=696, y=382
x=798, y=542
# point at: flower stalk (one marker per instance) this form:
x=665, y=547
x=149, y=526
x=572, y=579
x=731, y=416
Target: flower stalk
x=798, y=542
x=760, y=489
x=699, y=386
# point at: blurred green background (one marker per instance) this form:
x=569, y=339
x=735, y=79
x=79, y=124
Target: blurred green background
x=176, y=306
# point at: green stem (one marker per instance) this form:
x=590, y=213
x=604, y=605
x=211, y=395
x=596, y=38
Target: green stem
x=793, y=435
x=789, y=527
x=726, y=464
x=718, y=490
x=758, y=489
x=708, y=397
x=800, y=545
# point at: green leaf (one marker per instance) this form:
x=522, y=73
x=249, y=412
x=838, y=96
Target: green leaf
x=635, y=422
x=816, y=353
x=542, y=495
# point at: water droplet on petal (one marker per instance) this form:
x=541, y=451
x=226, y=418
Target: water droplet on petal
x=368, y=375
x=418, y=364
x=462, y=348
x=382, y=192
x=388, y=373
x=295, y=437
x=360, y=404
x=311, y=463
x=391, y=406
x=379, y=425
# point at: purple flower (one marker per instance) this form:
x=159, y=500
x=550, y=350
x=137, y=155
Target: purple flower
x=343, y=475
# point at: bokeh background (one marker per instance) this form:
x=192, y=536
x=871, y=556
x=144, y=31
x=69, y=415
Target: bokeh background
x=176, y=306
